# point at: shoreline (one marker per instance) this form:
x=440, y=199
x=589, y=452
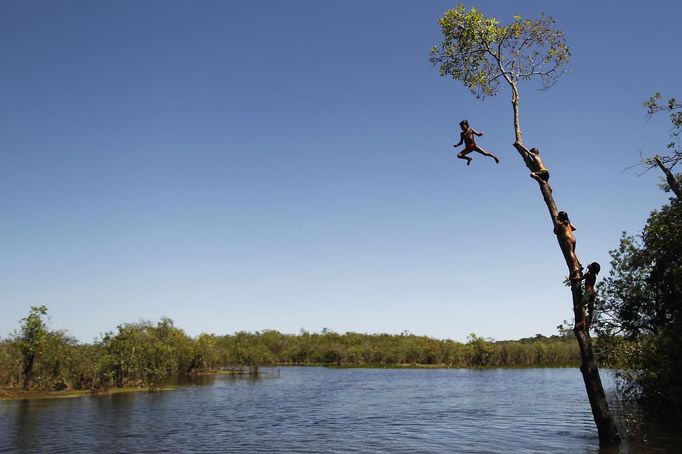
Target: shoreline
x=12, y=394
x=8, y=394
x=19, y=394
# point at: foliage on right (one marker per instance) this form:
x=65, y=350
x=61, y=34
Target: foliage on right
x=640, y=309
x=666, y=161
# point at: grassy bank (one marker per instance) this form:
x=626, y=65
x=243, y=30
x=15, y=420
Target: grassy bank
x=147, y=355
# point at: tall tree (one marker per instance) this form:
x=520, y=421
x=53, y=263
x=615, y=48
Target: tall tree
x=483, y=55
x=31, y=341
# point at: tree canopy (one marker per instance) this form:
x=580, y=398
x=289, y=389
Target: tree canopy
x=31, y=341
x=480, y=52
x=673, y=108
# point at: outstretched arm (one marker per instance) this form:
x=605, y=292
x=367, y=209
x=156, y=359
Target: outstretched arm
x=479, y=134
x=525, y=154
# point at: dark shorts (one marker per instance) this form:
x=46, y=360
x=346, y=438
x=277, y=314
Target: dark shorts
x=543, y=174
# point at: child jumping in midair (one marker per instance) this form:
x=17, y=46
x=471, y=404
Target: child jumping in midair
x=467, y=138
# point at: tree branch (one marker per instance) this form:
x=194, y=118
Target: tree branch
x=497, y=58
x=669, y=177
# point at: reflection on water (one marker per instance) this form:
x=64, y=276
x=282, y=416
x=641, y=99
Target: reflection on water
x=326, y=410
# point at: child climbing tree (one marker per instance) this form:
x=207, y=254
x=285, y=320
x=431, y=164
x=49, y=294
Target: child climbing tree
x=483, y=55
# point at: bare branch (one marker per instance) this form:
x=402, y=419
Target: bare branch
x=497, y=58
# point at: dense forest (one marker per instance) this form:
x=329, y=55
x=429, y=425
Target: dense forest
x=146, y=354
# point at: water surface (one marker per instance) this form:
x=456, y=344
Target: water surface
x=325, y=410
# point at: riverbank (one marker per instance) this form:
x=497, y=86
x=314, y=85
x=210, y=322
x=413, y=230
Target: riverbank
x=427, y=366
x=146, y=353
x=20, y=394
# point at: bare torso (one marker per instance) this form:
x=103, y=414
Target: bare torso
x=565, y=229
x=590, y=280
x=468, y=138
x=537, y=161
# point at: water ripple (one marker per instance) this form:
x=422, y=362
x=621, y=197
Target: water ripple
x=313, y=410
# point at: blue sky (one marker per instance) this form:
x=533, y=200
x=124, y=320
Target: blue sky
x=287, y=165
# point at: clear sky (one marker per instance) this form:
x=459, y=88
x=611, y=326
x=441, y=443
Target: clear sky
x=284, y=165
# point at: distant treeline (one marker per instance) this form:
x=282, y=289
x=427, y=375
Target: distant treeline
x=146, y=354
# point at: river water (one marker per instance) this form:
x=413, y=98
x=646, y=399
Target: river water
x=312, y=409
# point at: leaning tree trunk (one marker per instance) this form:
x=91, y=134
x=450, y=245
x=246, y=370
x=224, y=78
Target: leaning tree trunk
x=606, y=426
x=515, y=105
x=669, y=177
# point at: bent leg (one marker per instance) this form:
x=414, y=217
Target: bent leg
x=485, y=153
x=463, y=155
x=540, y=179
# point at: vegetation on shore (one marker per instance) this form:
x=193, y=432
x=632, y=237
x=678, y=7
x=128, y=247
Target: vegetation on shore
x=640, y=321
x=146, y=355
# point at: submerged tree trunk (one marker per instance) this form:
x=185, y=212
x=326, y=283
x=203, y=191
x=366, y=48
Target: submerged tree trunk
x=606, y=426
x=669, y=177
